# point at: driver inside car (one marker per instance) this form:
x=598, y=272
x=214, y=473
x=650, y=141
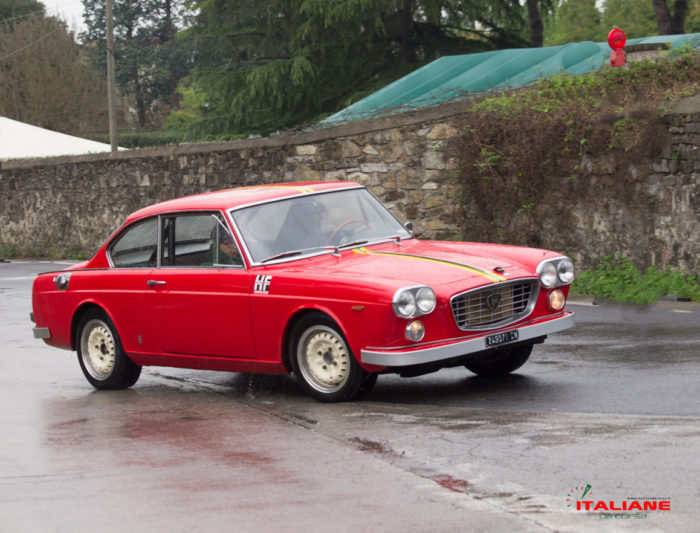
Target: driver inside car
x=307, y=217
x=223, y=249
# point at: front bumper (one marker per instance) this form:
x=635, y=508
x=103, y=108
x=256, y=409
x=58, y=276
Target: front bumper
x=397, y=357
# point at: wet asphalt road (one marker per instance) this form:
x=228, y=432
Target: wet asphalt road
x=614, y=403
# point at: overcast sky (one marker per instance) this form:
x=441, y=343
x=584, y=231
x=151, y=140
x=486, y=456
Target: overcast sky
x=69, y=10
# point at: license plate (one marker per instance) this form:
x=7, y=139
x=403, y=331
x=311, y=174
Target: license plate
x=502, y=338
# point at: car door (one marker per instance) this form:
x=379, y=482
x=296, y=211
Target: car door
x=199, y=301
x=122, y=289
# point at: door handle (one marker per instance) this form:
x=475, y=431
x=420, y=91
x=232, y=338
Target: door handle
x=153, y=282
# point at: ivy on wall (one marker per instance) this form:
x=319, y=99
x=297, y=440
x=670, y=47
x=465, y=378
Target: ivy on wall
x=523, y=153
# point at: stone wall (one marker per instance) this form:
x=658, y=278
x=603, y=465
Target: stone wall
x=675, y=182
x=70, y=204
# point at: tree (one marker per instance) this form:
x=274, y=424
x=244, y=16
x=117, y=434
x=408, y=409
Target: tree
x=46, y=79
x=635, y=17
x=670, y=23
x=12, y=11
x=692, y=20
x=271, y=64
x=149, y=58
x=575, y=21
x=535, y=20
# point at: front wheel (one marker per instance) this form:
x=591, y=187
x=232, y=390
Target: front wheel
x=101, y=356
x=502, y=362
x=323, y=363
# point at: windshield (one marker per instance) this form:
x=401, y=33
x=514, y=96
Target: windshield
x=307, y=224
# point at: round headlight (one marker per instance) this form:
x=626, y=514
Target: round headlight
x=425, y=300
x=548, y=275
x=566, y=271
x=405, y=304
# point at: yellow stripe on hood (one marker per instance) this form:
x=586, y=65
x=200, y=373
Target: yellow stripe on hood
x=491, y=276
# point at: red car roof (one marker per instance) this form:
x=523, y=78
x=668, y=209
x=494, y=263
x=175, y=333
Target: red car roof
x=228, y=198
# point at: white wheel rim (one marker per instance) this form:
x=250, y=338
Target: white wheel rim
x=324, y=359
x=98, y=349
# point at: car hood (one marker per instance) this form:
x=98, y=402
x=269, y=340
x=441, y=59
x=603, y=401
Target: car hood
x=447, y=265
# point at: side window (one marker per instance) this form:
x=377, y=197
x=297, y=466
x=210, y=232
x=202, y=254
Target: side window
x=198, y=240
x=137, y=246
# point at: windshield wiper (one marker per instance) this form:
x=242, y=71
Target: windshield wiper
x=334, y=249
x=394, y=238
x=282, y=255
x=292, y=253
x=351, y=244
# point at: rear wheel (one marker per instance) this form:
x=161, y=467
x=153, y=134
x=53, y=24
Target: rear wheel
x=101, y=356
x=323, y=363
x=502, y=362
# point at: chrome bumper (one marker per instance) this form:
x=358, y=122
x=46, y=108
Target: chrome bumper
x=42, y=333
x=404, y=357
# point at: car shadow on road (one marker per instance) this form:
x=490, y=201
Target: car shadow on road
x=436, y=388
x=446, y=387
x=432, y=389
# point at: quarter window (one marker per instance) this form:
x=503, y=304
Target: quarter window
x=137, y=246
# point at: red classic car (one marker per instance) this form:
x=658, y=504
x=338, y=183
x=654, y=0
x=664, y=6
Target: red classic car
x=318, y=279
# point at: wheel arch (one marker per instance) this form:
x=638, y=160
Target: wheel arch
x=294, y=320
x=77, y=317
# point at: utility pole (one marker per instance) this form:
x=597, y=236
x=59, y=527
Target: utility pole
x=111, y=89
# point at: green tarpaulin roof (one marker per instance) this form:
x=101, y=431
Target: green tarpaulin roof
x=453, y=77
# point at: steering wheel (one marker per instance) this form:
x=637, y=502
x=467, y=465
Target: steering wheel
x=343, y=225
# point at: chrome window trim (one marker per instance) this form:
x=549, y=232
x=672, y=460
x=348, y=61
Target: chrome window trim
x=119, y=232
x=195, y=212
x=232, y=221
x=291, y=196
x=159, y=245
x=166, y=214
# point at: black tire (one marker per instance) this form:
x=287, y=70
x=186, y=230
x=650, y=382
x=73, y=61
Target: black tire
x=368, y=383
x=502, y=362
x=323, y=363
x=101, y=356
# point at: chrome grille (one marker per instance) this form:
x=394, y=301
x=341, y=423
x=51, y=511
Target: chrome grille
x=495, y=305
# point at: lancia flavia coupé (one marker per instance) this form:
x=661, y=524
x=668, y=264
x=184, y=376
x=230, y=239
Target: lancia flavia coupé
x=315, y=279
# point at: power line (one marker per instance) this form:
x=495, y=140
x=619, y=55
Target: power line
x=37, y=12
x=29, y=45
x=18, y=17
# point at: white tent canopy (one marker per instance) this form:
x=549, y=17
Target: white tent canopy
x=18, y=140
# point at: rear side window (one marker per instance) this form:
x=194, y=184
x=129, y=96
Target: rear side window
x=137, y=246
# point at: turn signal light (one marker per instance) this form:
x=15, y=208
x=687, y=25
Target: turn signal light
x=556, y=300
x=415, y=331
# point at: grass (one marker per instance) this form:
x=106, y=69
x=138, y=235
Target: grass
x=618, y=279
x=10, y=251
x=7, y=251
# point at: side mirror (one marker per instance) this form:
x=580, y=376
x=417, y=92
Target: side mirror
x=409, y=226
